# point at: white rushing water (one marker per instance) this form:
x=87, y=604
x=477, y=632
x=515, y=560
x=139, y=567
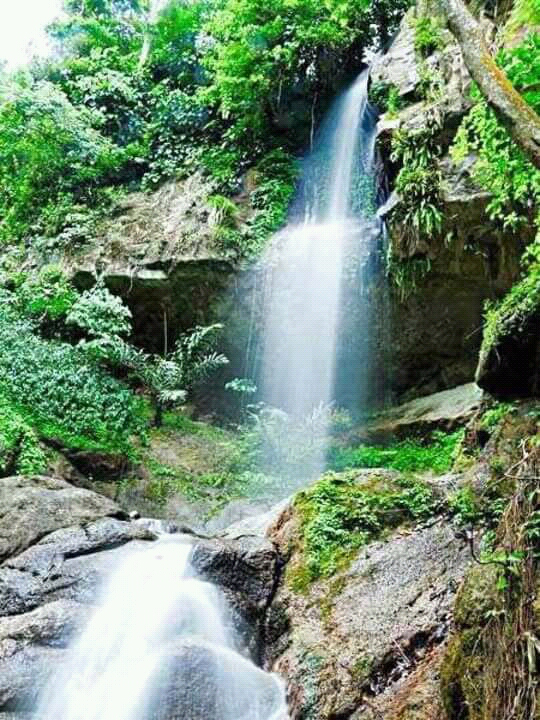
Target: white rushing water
x=306, y=264
x=160, y=646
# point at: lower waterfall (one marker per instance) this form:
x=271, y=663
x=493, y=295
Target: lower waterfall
x=161, y=645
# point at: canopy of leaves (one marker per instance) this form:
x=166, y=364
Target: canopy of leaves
x=137, y=94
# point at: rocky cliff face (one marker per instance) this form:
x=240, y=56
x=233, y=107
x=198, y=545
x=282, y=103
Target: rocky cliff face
x=442, y=280
x=349, y=645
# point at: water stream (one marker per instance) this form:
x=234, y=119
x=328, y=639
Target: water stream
x=161, y=645
x=307, y=267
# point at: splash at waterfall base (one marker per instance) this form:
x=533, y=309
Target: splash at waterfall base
x=161, y=644
x=127, y=590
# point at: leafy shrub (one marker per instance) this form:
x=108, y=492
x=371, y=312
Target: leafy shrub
x=67, y=397
x=20, y=452
x=50, y=152
x=167, y=379
x=465, y=505
x=418, y=182
x=385, y=97
x=46, y=296
x=427, y=36
x=500, y=167
x=494, y=415
x=99, y=313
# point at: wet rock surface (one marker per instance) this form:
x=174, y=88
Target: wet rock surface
x=64, y=542
x=433, y=316
x=510, y=366
x=350, y=642
x=445, y=410
x=209, y=682
x=33, y=507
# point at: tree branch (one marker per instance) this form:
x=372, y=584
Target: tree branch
x=522, y=123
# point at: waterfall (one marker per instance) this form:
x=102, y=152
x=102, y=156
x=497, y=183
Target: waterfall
x=333, y=222
x=160, y=646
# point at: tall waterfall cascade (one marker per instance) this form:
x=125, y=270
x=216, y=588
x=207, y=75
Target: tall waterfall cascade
x=307, y=266
x=161, y=645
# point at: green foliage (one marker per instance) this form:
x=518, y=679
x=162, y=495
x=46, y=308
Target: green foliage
x=427, y=36
x=20, y=452
x=46, y=296
x=259, y=54
x=51, y=158
x=494, y=415
x=418, y=182
x=500, y=166
x=100, y=313
x=243, y=386
x=340, y=514
x=385, y=97
x=63, y=395
x=135, y=97
x=406, y=274
x=525, y=13
x=437, y=454
x=510, y=316
x=465, y=504
x=274, y=177
x=167, y=379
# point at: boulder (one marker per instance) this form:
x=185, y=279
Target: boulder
x=353, y=639
x=33, y=507
x=31, y=648
x=202, y=681
x=247, y=569
x=444, y=410
x=509, y=367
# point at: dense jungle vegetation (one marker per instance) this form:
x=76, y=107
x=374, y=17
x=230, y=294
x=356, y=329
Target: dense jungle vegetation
x=133, y=96
x=130, y=97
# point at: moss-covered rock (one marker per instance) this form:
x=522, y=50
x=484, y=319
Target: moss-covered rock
x=509, y=358
x=349, y=628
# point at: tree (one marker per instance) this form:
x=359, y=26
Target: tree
x=519, y=118
x=168, y=380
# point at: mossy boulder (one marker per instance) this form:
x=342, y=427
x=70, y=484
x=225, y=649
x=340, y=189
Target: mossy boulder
x=463, y=664
x=345, y=631
x=509, y=363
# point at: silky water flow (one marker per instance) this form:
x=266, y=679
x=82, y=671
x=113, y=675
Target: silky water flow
x=160, y=645
x=306, y=301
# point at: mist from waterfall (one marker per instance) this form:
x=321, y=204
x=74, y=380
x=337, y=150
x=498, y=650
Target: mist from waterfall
x=307, y=267
x=161, y=645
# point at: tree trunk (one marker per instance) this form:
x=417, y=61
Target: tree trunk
x=513, y=112
x=158, y=417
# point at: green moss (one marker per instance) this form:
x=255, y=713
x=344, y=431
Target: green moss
x=437, y=454
x=494, y=415
x=339, y=514
x=20, y=451
x=463, y=667
x=427, y=36
x=510, y=317
x=361, y=668
x=460, y=678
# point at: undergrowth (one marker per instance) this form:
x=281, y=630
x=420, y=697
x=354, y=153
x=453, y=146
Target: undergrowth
x=437, y=454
